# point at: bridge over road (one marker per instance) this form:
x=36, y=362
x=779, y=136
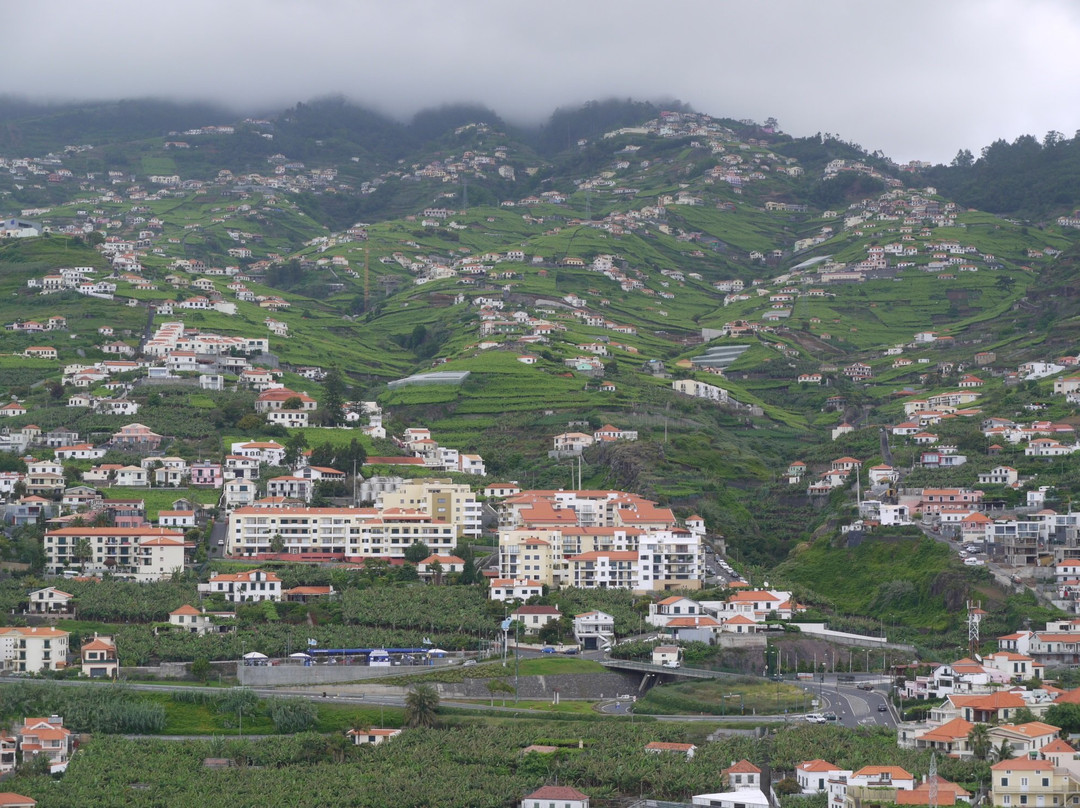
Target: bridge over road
x=688, y=673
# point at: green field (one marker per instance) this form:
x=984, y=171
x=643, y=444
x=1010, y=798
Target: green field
x=162, y=499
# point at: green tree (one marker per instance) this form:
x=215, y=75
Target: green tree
x=277, y=543
x=251, y=422
x=1004, y=751
x=324, y=455
x=200, y=668
x=499, y=686
x=83, y=552
x=421, y=706
x=436, y=570
x=352, y=457
x=417, y=552
x=964, y=159
x=468, y=569
x=980, y=742
x=294, y=447
x=292, y=403
x=1066, y=716
x=1023, y=716
x=334, y=397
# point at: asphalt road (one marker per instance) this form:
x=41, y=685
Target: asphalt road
x=853, y=707
x=856, y=708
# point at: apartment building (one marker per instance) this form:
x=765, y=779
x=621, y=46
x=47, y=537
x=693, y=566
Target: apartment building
x=604, y=557
x=141, y=553
x=32, y=649
x=346, y=532
x=442, y=499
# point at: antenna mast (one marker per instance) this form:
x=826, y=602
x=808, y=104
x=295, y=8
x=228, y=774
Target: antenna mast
x=933, y=800
x=975, y=614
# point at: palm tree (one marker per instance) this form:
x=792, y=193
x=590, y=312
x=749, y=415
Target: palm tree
x=1004, y=751
x=83, y=552
x=421, y=706
x=979, y=740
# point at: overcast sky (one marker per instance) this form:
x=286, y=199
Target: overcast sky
x=918, y=79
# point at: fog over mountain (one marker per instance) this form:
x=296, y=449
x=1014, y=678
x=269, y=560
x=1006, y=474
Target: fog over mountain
x=916, y=79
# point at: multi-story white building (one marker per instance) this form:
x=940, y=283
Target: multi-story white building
x=32, y=649
x=142, y=553
x=441, y=499
x=604, y=557
x=696, y=389
x=348, y=532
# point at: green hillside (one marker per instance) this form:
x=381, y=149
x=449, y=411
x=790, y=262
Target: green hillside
x=383, y=237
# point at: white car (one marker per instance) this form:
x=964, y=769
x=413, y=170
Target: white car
x=814, y=718
x=973, y=562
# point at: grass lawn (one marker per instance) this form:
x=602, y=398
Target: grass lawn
x=723, y=698
x=539, y=666
x=161, y=499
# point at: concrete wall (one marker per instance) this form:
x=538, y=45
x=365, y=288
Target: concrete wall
x=591, y=686
x=177, y=670
x=275, y=675
x=844, y=638
x=729, y=640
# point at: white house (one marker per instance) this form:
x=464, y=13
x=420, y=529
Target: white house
x=244, y=587
x=505, y=589
x=373, y=736
x=594, y=631
x=534, y=618
x=557, y=796
x=50, y=600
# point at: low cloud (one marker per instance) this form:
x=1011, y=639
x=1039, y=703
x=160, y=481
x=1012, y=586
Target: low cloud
x=917, y=80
